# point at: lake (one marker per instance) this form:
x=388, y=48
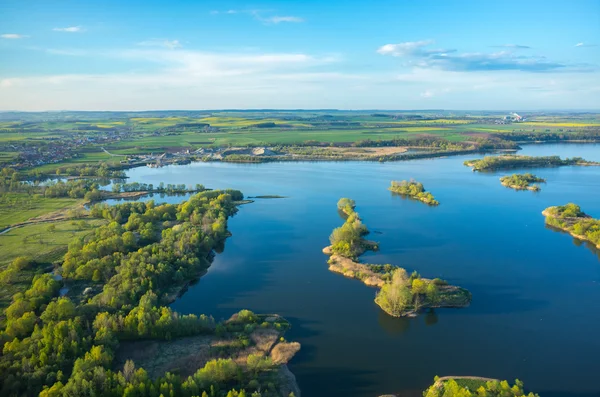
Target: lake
x=535, y=290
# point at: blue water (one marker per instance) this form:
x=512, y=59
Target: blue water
x=535, y=291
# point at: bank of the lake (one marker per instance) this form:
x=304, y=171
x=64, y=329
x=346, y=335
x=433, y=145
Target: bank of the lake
x=570, y=219
x=526, y=310
x=446, y=296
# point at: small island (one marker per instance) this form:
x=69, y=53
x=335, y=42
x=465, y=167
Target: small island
x=522, y=182
x=400, y=294
x=572, y=220
x=413, y=189
x=510, y=161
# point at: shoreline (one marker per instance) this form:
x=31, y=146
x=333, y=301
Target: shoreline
x=517, y=187
x=547, y=214
x=362, y=272
x=416, y=198
x=399, y=157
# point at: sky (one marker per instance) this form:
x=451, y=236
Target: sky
x=428, y=54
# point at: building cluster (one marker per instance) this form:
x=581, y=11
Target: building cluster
x=511, y=118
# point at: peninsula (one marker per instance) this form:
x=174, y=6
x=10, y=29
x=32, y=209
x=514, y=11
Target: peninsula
x=107, y=316
x=413, y=189
x=400, y=294
x=510, y=161
x=522, y=182
x=472, y=386
x=572, y=220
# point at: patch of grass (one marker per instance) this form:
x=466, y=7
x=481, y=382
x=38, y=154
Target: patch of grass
x=472, y=384
x=19, y=207
x=43, y=242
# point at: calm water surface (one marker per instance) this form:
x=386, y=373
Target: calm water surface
x=535, y=291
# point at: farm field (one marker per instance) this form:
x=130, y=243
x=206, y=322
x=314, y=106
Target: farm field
x=43, y=142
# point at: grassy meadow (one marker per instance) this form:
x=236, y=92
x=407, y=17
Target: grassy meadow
x=19, y=207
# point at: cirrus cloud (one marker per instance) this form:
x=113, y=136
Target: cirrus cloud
x=417, y=54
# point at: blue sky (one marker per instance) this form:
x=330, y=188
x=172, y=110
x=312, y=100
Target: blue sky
x=144, y=55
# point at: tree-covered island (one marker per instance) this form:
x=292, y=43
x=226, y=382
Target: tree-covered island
x=400, y=294
x=414, y=190
x=510, y=161
x=572, y=220
x=522, y=182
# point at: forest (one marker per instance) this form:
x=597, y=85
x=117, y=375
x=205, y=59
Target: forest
x=132, y=266
x=413, y=189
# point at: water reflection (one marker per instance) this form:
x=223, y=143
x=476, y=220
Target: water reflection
x=393, y=325
x=431, y=318
x=576, y=242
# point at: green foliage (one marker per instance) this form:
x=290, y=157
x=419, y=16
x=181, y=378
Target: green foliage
x=160, y=188
x=346, y=205
x=100, y=169
x=491, y=163
x=54, y=347
x=395, y=297
x=147, y=321
x=456, y=388
x=522, y=181
x=569, y=217
x=404, y=294
x=347, y=240
x=77, y=188
x=414, y=190
x=258, y=362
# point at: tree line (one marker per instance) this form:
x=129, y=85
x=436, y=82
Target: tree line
x=492, y=163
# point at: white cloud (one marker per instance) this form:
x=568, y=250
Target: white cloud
x=259, y=15
x=13, y=36
x=161, y=43
x=585, y=45
x=403, y=49
x=278, y=19
x=187, y=79
x=70, y=29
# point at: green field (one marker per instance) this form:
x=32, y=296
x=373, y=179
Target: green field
x=19, y=207
x=123, y=133
x=38, y=243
